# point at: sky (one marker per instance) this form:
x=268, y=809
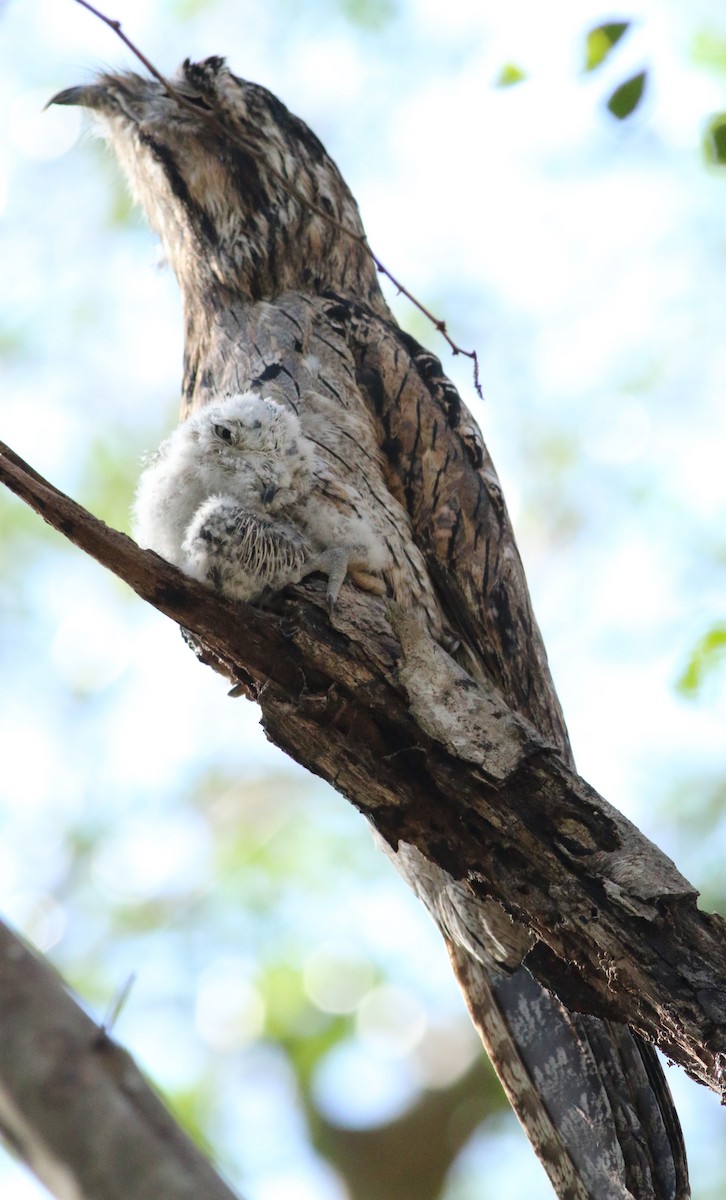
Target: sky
x=584, y=261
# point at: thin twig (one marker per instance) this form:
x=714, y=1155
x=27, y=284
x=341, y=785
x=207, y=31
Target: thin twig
x=116, y=26
x=438, y=324
x=117, y=1003
x=361, y=239
x=165, y=83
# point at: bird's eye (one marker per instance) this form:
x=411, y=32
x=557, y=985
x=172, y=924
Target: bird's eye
x=222, y=432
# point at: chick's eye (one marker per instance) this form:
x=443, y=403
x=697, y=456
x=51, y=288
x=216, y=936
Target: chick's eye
x=222, y=432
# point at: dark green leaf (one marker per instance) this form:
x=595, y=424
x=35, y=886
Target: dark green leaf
x=601, y=40
x=714, y=142
x=509, y=75
x=626, y=98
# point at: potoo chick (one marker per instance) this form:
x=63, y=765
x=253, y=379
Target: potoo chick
x=236, y=498
x=281, y=298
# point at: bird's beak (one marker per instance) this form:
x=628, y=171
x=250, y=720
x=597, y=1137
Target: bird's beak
x=91, y=96
x=269, y=493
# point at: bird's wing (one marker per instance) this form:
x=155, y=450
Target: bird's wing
x=591, y=1095
x=440, y=464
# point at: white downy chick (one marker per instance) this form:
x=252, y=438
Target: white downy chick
x=233, y=498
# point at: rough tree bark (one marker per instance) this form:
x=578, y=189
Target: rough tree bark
x=463, y=778
x=74, y=1106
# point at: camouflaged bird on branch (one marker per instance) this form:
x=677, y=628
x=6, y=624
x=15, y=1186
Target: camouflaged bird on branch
x=280, y=301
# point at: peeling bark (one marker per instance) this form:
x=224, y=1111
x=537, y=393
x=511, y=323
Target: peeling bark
x=462, y=777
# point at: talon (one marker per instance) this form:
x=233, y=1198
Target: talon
x=334, y=564
x=335, y=583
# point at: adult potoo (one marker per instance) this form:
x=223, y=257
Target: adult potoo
x=279, y=297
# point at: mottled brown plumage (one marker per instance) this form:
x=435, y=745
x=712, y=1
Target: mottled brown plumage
x=281, y=300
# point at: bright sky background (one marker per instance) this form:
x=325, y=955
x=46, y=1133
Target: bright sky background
x=584, y=260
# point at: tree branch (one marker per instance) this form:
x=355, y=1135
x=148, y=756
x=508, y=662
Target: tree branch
x=74, y=1105
x=379, y=710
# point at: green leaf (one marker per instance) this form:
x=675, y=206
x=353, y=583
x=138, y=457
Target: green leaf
x=509, y=75
x=601, y=40
x=626, y=98
x=707, y=656
x=714, y=140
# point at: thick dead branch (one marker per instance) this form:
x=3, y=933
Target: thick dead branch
x=460, y=776
x=74, y=1106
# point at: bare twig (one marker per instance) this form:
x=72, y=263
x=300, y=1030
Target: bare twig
x=117, y=1004
x=116, y=26
x=165, y=83
x=438, y=324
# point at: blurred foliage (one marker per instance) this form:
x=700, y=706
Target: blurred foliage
x=409, y=1158
x=192, y=1107
x=709, y=50
x=365, y=16
x=694, y=808
x=373, y=15
x=707, y=658
x=599, y=44
x=20, y=534
x=714, y=142
x=626, y=98
x=24, y=542
x=244, y=931
x=187, y=10
x=509, y=75
x=14, y=341
x=108, y=482
x=600, y=41
x=121, y=208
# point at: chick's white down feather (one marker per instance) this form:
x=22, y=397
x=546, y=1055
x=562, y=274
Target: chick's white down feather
x=236, y=498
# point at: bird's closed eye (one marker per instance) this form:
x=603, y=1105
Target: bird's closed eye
x=199, y=102
x=222, y=432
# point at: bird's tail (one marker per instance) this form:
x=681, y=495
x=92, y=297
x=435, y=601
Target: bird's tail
x=590, y=1094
